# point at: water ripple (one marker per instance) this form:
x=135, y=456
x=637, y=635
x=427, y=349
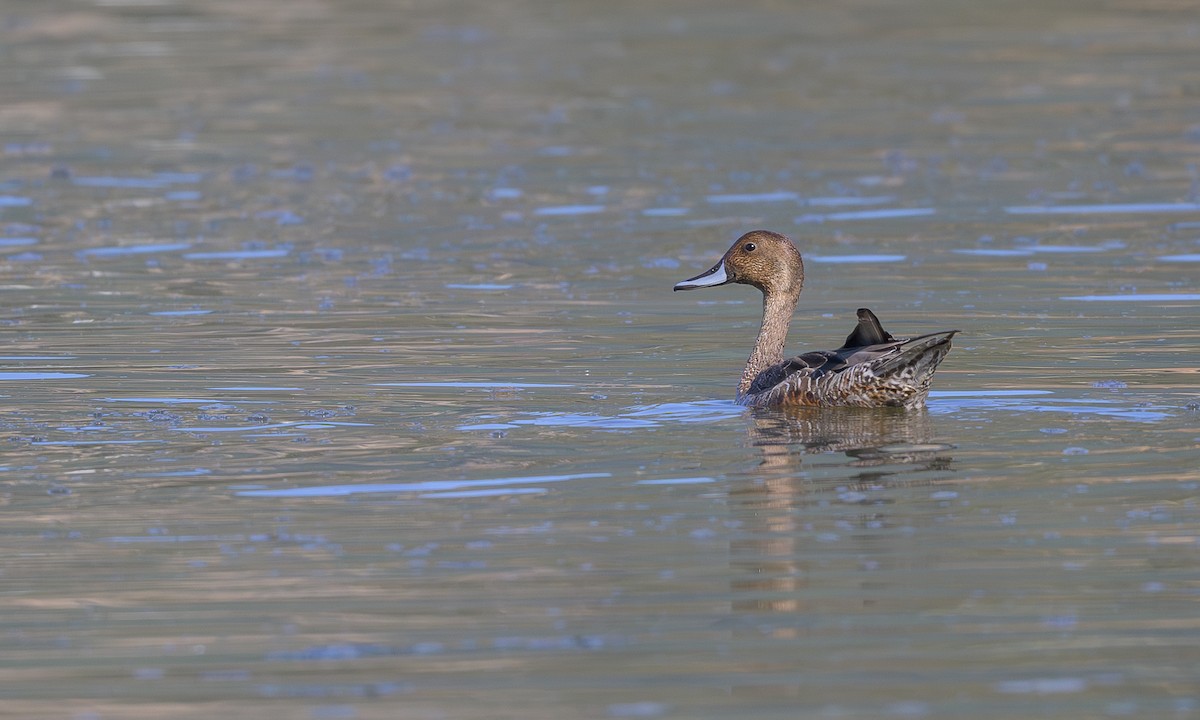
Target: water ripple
x=881, y=214
x=848, y=200
x=847, y=259
x=428, y=486
x=299, y=424
x=599, y=422
x=948, y=402
x=117, y=251
x=559, y=210
x=637, y=417
x=1102, y=208
x=469, y=384
x=236, y=255
x=1135, y=297
x=156, y=181
x=701, y=411
x=677, y=481
x=753, y=198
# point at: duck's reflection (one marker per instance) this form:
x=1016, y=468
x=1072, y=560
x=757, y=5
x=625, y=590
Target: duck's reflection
x=822, y=485
x=862, y=433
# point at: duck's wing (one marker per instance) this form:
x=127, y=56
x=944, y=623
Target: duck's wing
x=811, y=365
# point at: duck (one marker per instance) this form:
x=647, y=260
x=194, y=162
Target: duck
x=871, y=368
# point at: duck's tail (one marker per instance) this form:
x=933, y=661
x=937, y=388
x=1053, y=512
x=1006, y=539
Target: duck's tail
x=917, y=357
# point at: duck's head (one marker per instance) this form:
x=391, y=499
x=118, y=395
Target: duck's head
x=767, y=260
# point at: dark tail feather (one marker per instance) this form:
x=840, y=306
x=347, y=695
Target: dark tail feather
x=868, y=331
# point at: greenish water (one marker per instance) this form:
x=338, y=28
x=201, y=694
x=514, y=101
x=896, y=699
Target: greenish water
x=344, y=379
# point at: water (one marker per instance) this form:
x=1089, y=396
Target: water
x=344, y=378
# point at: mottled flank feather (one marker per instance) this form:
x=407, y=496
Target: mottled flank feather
x=871, y=369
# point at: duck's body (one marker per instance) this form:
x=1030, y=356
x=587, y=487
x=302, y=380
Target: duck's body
x=872, y=368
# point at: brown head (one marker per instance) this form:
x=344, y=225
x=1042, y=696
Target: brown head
x=767, y=260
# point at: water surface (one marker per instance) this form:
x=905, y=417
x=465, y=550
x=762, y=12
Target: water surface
x=344, y=378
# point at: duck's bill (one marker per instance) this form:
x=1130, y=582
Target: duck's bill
x=709, y=278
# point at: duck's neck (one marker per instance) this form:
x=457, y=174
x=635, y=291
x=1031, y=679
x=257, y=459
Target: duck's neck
x=768, y=349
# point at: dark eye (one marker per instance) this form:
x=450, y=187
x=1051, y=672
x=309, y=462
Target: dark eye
x=749, y=247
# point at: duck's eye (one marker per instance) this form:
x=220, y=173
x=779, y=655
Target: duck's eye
x=749, y=247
